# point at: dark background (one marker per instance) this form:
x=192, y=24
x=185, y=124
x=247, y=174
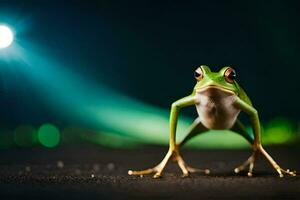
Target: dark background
x=149, y=49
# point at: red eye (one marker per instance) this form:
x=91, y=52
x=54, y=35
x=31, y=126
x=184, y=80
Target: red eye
x=230, y=75
x=198, y=74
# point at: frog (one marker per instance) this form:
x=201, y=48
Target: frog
x=219, y=100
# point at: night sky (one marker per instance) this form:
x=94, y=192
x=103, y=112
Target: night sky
x=149, y=49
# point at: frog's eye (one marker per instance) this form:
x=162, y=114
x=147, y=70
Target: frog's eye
x=230, y=75
x=198, y=74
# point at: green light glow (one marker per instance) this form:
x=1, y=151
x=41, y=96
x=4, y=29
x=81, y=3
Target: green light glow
x=219, y=140
x=118, y=120
x=111, y=140
x=49, y=135
x=278, y=131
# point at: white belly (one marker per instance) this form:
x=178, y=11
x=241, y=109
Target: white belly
x=216, y=109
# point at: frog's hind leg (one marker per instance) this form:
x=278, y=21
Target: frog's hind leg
x=257, y=149
x=195, y=129
x=274, y=164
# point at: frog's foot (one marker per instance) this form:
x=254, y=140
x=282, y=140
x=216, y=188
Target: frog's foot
x=250, y=161
x=186, y=170
x=157, y=170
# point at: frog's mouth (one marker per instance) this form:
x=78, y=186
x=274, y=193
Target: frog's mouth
x=214, y=88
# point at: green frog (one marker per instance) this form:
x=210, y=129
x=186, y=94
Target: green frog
x=218, y=99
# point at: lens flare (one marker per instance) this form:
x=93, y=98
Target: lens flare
x=6, y=36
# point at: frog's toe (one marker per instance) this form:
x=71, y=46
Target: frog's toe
x=141, y=172
x=242, y=168
x=249, y=162
x=156, y=170
x=238, y=169
x=287, y=171
x=186, y=170
x=185, y=174
x=157, y=175
x=193, y=170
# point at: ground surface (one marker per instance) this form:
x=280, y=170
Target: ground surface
x=92, y=172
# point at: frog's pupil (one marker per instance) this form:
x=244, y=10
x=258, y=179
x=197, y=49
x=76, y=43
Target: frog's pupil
x=197, y=74
x=232, y=75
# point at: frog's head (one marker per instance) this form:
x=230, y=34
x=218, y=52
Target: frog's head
x=223, y=80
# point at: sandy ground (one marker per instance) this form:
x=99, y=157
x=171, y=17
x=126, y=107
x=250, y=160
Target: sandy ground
x=92, y=172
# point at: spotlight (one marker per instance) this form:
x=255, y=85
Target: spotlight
x=6, y=36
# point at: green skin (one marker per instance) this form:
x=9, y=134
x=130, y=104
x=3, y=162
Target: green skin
x=218, y=100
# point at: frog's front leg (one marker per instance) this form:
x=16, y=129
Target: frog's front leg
x=173, y=147
x=256, y=143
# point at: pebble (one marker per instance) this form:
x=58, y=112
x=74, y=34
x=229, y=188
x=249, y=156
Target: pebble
x=27, y=168
x=77, y=171
x=110, y=166
x=60, y=164
x=96, y=167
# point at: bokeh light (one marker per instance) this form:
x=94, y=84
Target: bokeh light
x=49, y=135
x=278, y=131
x=6, y=36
